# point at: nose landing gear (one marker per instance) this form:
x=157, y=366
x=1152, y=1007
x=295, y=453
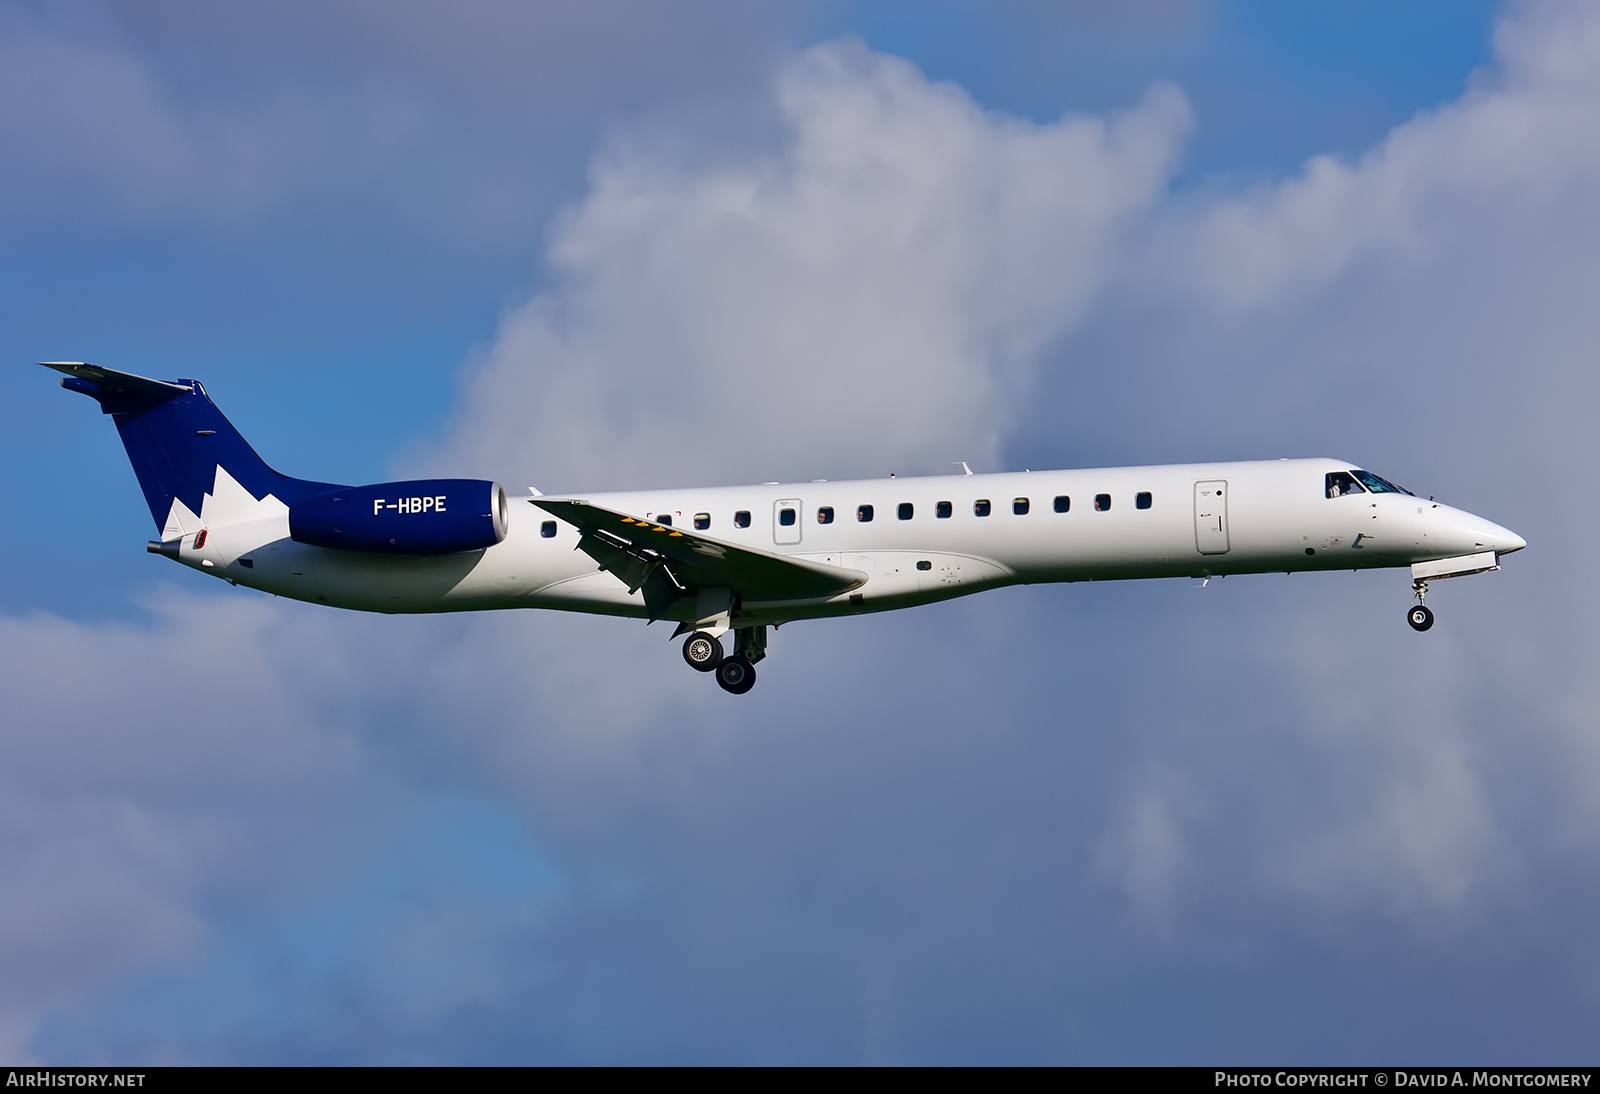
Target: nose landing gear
x=1420, y=617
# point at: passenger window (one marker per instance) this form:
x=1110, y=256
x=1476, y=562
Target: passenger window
x=741, y=519
x=943, y=510
x=786, y=517
x=664, y=518
x=548, y=529
x=702, y=521
x=924, y=564
x=1141, y=500
x=864, y=513
x=906, y=510
x=980, y=508
x=825, y=515
x=1019, y=506
x=1337, y=484
x=1102, y=502
x=1063, y=503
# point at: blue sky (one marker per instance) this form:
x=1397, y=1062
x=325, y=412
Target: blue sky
x=586, y=247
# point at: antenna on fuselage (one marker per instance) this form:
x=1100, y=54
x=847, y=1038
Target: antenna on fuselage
x=964, y=468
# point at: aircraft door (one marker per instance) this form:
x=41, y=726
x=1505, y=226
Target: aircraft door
x=1211, y=517
x=786, y=521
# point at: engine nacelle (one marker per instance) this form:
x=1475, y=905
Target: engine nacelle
x=424, y=517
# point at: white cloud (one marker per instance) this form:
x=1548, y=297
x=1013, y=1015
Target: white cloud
x=83, y=117
x=1520, y=144
x=882, y=287
x=871, y=294
x=443, y=131
x=1146, y=851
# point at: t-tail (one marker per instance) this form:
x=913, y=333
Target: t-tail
x=198, y=475
x=179, y=443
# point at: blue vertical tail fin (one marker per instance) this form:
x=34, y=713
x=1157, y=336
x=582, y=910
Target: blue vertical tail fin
x=177, y=439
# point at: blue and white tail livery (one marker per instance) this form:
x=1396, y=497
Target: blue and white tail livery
x=729, y=562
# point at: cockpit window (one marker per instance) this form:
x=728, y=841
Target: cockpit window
x=1377, y=485
x=1340, y=483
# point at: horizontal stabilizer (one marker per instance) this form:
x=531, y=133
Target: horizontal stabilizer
x=631, y=548
x=116, y=391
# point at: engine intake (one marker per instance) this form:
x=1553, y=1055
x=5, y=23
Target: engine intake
x=421, y=517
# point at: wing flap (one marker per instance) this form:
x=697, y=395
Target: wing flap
x=639, y=550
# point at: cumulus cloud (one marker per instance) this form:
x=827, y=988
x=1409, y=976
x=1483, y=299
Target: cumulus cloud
x=921, y=836
x=452, y=129
x=889, y=282
x=84, y=116
x=1419, y=307
x=1511, y=147
x=242, y=761
x=870, y=294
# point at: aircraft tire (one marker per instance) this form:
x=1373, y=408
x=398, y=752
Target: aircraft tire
x=1420, y=618
x=702, y=651
x=736, y=675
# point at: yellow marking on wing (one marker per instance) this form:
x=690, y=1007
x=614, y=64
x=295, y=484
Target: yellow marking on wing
x=678, y=534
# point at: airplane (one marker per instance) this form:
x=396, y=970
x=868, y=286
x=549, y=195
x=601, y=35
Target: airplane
x=736, y=560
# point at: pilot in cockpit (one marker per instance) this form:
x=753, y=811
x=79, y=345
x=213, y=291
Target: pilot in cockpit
x=1341, y=483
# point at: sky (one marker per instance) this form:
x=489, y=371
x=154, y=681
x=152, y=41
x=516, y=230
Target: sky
x=587, y=247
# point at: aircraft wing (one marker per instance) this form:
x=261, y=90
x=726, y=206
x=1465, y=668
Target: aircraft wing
x=670, y=562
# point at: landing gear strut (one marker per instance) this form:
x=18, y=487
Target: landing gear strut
x=1419, y=616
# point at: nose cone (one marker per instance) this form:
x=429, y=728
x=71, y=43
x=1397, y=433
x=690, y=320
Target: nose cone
x=1478, y=534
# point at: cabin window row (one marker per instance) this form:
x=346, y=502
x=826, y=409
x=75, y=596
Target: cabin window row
x=943, y=510
x=1062, y=503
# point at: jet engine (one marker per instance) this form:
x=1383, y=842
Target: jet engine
x=422, y=517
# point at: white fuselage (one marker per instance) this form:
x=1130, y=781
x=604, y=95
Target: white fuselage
x=1202, y=520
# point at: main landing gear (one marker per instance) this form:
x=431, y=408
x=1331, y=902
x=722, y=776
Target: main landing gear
x=736, y=673
x=1419, y=616
x=702, y=651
